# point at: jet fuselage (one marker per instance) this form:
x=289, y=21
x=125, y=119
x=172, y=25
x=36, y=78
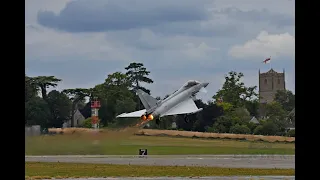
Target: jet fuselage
x=178, y=103
x=179, y=96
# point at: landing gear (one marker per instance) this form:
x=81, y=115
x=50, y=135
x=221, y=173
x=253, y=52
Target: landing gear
x=186, y=119
x=158, y=121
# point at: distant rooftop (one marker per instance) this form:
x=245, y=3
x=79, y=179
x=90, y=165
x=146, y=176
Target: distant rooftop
x=271, y=71
x=254, y=120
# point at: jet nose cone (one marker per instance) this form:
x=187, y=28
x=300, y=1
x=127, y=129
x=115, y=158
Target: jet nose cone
x=205, y=84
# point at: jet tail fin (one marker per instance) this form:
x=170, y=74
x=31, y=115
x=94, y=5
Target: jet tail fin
x=147, y=100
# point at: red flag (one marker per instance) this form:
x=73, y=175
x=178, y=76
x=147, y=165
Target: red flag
x=266, y=60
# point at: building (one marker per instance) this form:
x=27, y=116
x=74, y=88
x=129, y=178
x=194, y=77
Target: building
x=254, y=120
x=269, y=83
x=78, y=119
x=34, y=130
x=291, y=118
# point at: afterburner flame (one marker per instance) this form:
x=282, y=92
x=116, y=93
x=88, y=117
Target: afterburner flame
x=143, y=118
x=150, y=117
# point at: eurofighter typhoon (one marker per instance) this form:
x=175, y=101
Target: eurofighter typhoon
x=180, y=102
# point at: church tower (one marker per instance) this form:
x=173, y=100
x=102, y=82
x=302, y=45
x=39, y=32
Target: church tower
x=269, y=83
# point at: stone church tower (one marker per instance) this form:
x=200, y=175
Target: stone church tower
x=269, y=83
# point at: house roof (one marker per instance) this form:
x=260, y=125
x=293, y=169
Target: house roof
x=254, y=120
x=293, y=112
x=77, y=112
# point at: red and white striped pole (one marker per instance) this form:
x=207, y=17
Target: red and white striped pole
x=95, y=106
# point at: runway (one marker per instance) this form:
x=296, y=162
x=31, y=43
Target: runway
x=193, y=178
x=230, y=161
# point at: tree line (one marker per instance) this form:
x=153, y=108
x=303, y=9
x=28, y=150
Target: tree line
x=230, y=111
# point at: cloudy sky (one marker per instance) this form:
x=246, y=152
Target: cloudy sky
x=82, y=41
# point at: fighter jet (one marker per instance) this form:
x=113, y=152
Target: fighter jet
x=180, y=102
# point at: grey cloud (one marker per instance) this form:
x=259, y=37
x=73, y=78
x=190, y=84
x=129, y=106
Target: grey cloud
x=230, y=22
x=173, y=26
x=278, y=19
x=156, y=40
x=75, y=71
x=179, y=17
x=193, y=28
x=103, y=15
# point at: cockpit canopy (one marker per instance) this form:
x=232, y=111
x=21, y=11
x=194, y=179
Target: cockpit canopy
x=191, y=83
x=186, y=86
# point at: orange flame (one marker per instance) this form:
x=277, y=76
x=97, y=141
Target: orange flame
x=143, y=118
x=150, y=117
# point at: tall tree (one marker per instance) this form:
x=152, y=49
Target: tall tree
x=31, y=90
x=76, y=95
x=138, y=74
x=222, y=124
x=125, y=105
x=208, y=116
x=37, y=112
x=286, y=98
x=82, y=103
x=234, y=91
x=60, y=107
x=277, y=115
x=239, y=115
x=117, y=79
x=44, y=82
x=252, y=107
x=115, y=97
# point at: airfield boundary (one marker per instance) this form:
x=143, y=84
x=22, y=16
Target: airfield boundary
x=190, y=134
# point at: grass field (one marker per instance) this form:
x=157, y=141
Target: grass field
x=64, y=170
x=124, y=143
x=206, y=135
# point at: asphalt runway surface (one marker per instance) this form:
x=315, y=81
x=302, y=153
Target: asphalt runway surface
x=193, y=178
x=230, y=161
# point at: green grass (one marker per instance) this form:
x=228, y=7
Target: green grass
x=46, y=170
x=124, y=143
